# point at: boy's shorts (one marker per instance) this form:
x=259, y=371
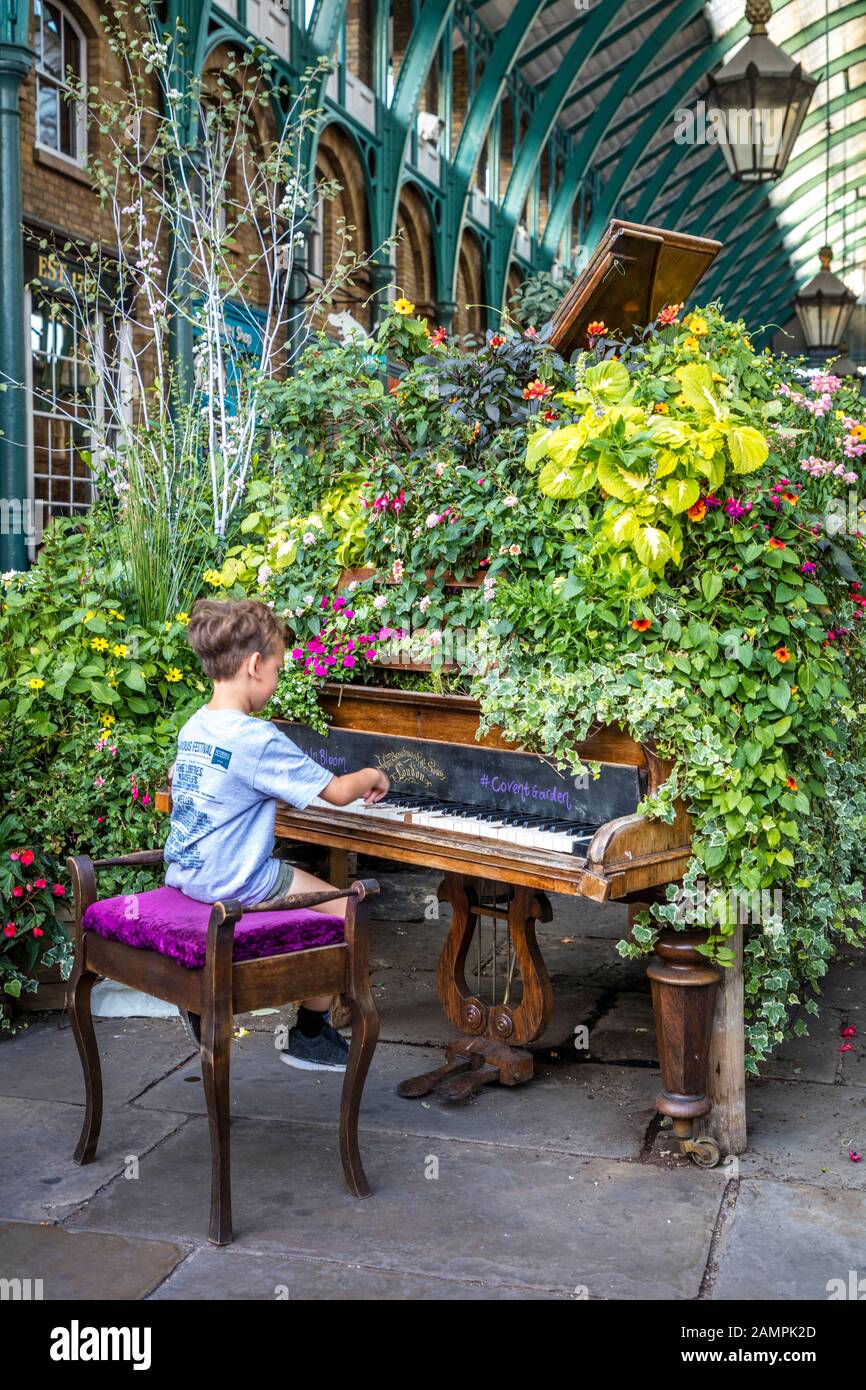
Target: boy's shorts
x=284, y=880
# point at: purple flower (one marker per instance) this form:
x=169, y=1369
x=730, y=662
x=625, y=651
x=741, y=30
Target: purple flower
x=734, y=509
x=808, y=567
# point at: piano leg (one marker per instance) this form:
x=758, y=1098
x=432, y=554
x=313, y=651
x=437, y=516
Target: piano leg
x=684, y=986
x=498, y=1030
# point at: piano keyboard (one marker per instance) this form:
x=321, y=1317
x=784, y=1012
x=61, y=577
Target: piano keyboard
x=430, y=813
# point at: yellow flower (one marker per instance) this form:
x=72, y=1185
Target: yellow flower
x=173, y=674
x=99, y=644
x=113, y=613
x=36, y=684
x=213, y=577
x=691, y=344
x=697, y=325
x=181, y=618
x=747, y=342
x=88, y=616
x=107, y=720
x=839, y=414
x=120, y=649
x=403, y=306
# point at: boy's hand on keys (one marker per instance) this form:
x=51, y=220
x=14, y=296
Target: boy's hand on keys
x=381, y=786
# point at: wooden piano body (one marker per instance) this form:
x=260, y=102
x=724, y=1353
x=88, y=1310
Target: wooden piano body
x=628, y=858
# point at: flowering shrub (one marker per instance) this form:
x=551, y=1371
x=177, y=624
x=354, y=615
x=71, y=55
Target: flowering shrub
x=29, y=898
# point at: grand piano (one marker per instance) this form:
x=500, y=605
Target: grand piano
x=505, y=828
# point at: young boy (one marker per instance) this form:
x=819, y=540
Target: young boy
x=230, y=771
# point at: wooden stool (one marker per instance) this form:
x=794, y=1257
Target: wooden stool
x=216, y=960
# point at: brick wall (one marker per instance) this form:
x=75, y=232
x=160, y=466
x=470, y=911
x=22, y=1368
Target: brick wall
x=359, y=39
x=416, y=277
x=337, y=159
x=471, y=315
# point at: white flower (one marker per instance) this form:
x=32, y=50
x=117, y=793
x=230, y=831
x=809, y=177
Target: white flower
x=263, y=575
x=510, y=500
x=379, y=601
x=309, y=538
x=432, y=520
x=308, y=599
x=424, y=604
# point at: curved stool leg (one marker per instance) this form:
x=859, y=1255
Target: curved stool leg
x=81, y=1021
x=365, y=1032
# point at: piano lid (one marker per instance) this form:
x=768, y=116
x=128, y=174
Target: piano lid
x=634, y=272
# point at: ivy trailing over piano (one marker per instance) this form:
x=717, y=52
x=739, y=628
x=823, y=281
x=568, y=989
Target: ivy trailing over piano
x=639, y=539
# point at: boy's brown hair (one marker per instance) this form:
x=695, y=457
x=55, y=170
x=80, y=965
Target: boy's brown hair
x=224, y=632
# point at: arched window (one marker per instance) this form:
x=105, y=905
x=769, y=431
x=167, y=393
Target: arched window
x=60, y=52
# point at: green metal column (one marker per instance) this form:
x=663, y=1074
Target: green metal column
x=15, y=62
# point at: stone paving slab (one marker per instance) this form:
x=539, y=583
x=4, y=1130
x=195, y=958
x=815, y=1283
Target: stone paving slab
x=42, y=1061
x=804, y=1131
x=38, y=1138
x=786, y=1241
x=626, y=1032
x=233, y=1274
x=78, y=1265
x=517, y=1217
x=576, y=1108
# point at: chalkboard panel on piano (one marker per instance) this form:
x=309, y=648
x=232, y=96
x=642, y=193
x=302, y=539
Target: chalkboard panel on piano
x=485, y=777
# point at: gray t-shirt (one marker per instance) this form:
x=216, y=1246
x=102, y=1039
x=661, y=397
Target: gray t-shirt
x=231, y=770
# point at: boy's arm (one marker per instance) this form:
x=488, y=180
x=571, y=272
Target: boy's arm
x=370, y=783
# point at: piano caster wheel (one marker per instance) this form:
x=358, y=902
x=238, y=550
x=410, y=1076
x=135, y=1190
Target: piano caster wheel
x=703, y=1151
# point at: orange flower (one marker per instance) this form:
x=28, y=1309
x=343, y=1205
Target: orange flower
x=596, y=329
x=782, y=654
x=661, y=408
x=535, y=390
x=792, y=784
x=669, y=314
x=791, y=497
x=774, y=544
x=698, y=511
x=641, y=624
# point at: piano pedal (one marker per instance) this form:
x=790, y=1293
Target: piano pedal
x=416, y=1086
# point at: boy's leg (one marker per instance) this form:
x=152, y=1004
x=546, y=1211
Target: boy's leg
x=303, y=882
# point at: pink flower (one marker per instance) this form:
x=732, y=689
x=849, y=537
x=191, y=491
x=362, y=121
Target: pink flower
x=349, y=661
x=14, y=854
x=145, y=800
x=325, y=602
x=40, y=883
x=37, y=931
x=18, y=891
x=99, y=781
x=27, y=857
x=297, y=653
x=320, y=670
x=854, y=1156
x=9, y=929
x=384, y=634
x=340, y=602
x=59, y=891
x=349, y=613
x=849, y=1032
x=369, y=653
x=846, y=1047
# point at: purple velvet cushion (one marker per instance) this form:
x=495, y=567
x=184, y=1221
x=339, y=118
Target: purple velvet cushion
x=167, y=921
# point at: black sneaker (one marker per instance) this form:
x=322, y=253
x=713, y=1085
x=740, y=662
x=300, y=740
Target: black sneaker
x=326, y=1052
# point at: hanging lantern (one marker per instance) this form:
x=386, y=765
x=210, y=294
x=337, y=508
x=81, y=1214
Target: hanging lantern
x=762, y=97
x=824, y=308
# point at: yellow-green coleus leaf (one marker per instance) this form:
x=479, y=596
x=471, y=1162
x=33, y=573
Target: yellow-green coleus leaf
x=620, y=481
x=672, y=433
x=621, y=525
x=652, y=547
x=609, y=381
x=681, y=493
x=696, y=382
x=565, y=444
x=536, y=449
x=748, y=448
x=556, y=480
